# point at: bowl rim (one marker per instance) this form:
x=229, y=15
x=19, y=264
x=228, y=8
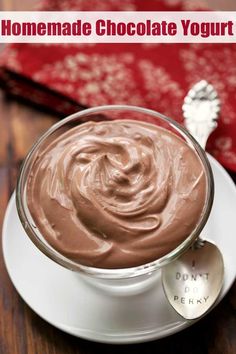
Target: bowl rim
x=117, y=273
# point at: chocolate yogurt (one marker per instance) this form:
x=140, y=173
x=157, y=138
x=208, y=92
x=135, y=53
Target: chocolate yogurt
x=116, y=194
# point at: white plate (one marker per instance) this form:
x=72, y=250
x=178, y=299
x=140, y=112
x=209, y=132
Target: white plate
x=66, y=301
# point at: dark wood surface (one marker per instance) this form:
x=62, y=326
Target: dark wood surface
x=21, y=330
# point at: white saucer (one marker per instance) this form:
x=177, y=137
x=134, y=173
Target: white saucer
x=66, y=301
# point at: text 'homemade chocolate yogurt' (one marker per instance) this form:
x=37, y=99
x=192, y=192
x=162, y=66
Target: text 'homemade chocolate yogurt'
x=116, y=194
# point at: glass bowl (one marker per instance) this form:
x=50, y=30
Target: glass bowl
x=99, y=114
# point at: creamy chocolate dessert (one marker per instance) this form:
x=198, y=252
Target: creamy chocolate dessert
x=116, y=194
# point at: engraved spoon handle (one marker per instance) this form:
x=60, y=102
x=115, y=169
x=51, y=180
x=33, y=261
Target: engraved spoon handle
x=201, y=109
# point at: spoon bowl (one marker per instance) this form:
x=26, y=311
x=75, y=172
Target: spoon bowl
x=193, y=282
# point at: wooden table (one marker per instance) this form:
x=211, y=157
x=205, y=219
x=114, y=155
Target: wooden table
x=21, y=330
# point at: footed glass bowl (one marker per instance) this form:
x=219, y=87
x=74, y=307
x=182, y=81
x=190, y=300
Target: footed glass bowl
x=100, y=114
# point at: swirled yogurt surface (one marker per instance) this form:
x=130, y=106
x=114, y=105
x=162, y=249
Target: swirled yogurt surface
x=116, y=194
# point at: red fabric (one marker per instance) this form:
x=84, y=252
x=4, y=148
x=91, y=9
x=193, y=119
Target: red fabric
x=68, y=77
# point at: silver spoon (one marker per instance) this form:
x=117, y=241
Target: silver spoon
x=193, y=282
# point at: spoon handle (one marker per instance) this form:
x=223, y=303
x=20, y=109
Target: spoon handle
x=201, y=109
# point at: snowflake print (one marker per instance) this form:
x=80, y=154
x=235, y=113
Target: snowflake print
x=10, y=55
x=88, y=5
x=218, y=69
x=161, y=89
x=104, y=79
